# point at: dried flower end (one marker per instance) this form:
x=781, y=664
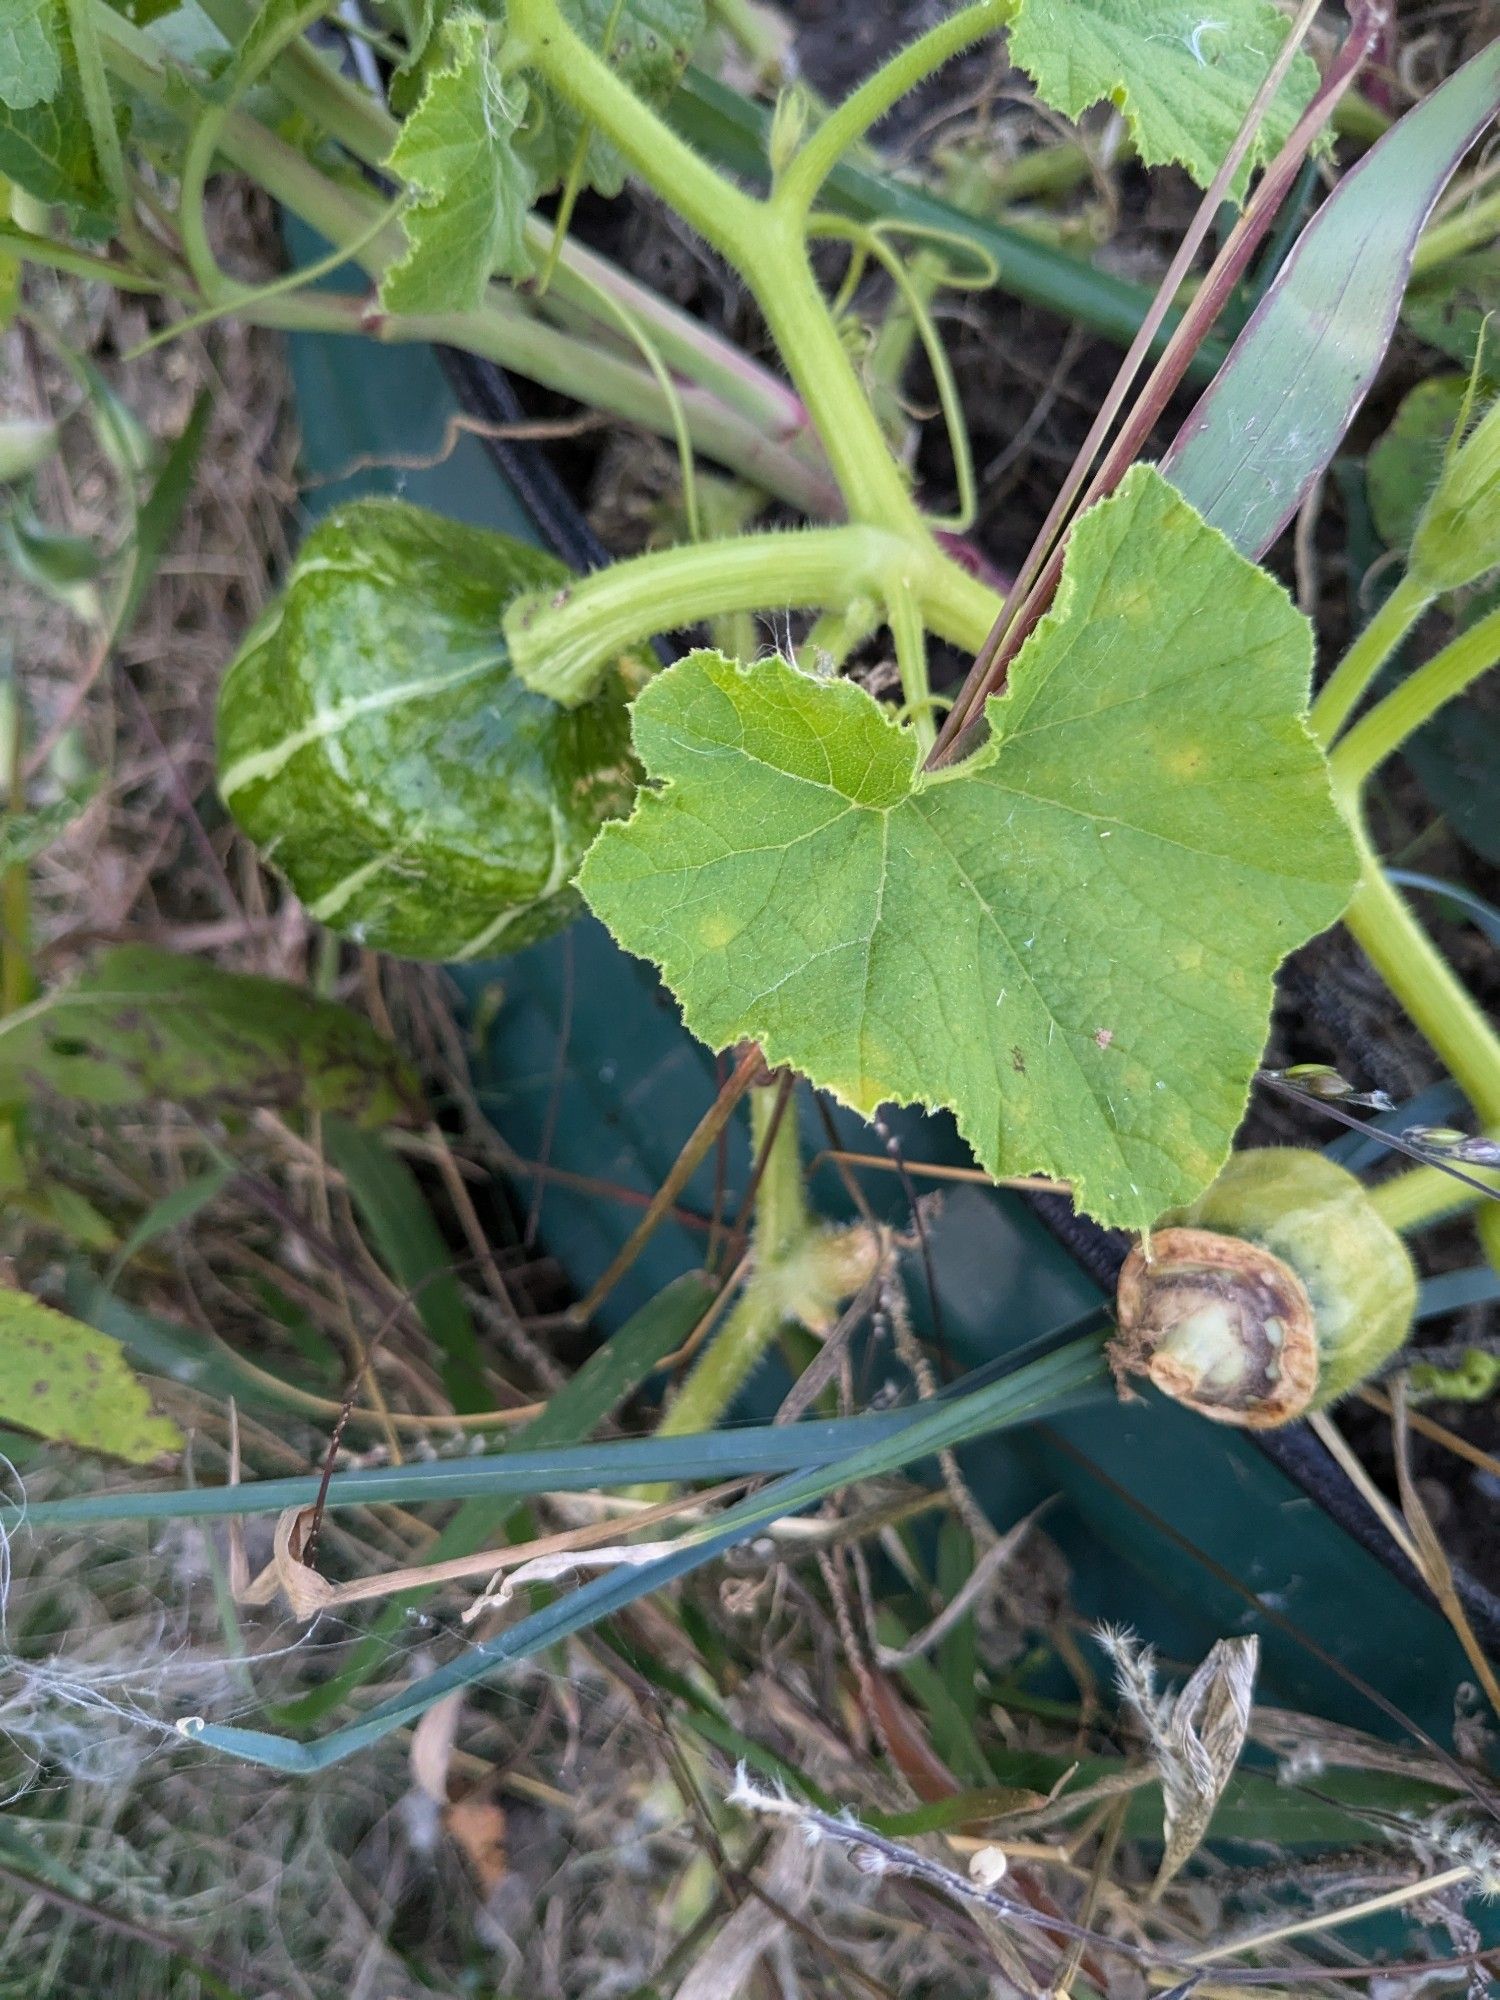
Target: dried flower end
x=1221, y=1325
x=1277, y=1291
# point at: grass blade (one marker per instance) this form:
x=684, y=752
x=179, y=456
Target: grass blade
x=611, y=1374
x=175, y=1208
x=160, y=512
x=1024, y=1394
x=399, y=1223
x=760, y=1449
x=1270, y=423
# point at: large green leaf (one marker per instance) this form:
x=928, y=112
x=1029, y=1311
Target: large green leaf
x=66, y=1382
x=1067, y=941
x=30, y=59
x=374, y=742
x=142, y=1023
x=468, y=185
x=650, y=44
x=1183, y=76
x=45, y=143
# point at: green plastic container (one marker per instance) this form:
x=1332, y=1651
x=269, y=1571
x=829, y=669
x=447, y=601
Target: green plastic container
x=1183, y=1530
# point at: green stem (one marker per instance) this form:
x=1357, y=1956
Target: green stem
x=504, y=330
x=765, y=244
x=835, y=634
x=79, y=264
x=975, y=183
x=781, y=1226
x=950, y=401
x=251, y=60
x=683, y=342
x=1346, y=685
x=1422, y=1195
x=1405, y=957
x=1419, y=697
x=336, y=104
x=905, y=619
x=302, y=278
x=560, y=644
x=1458, y=233
x=798, y=186
x=781, y=1218
x=872, y=483
x=722, y=213
x=752, y=1325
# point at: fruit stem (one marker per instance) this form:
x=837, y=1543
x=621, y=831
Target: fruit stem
x=562, y=642
x=1410, y=1200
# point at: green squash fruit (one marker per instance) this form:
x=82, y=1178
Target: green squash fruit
x=375, y=745
x=1275, y=1293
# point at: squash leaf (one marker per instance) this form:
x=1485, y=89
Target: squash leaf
x=1183, y=75
x=30, y=59
x=45, y=143
x=651, y=43
x=1068, y=940
x=142, y=1023
x=469, y=187
x=1448, y=307
x=72, y=1385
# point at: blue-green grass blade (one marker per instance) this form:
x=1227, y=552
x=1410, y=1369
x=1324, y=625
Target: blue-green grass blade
x=757, y=1450
x=612, y=1373
x=394, y=1214
x=1270, y=423
x=1040, y=1389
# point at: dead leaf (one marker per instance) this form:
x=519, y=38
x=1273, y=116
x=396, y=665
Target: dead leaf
x=1196, y=1735
x=476, y=1826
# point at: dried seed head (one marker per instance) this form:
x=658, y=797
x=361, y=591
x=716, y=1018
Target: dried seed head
x=1451, y=1144
x=1220, y=1325
x=1275, y=1292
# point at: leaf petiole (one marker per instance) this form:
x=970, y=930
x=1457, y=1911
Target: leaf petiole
x=1345, y=687
x=1403, y=711
x=562, y=641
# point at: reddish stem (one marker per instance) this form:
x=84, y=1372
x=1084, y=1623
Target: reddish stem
x=993, y=662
